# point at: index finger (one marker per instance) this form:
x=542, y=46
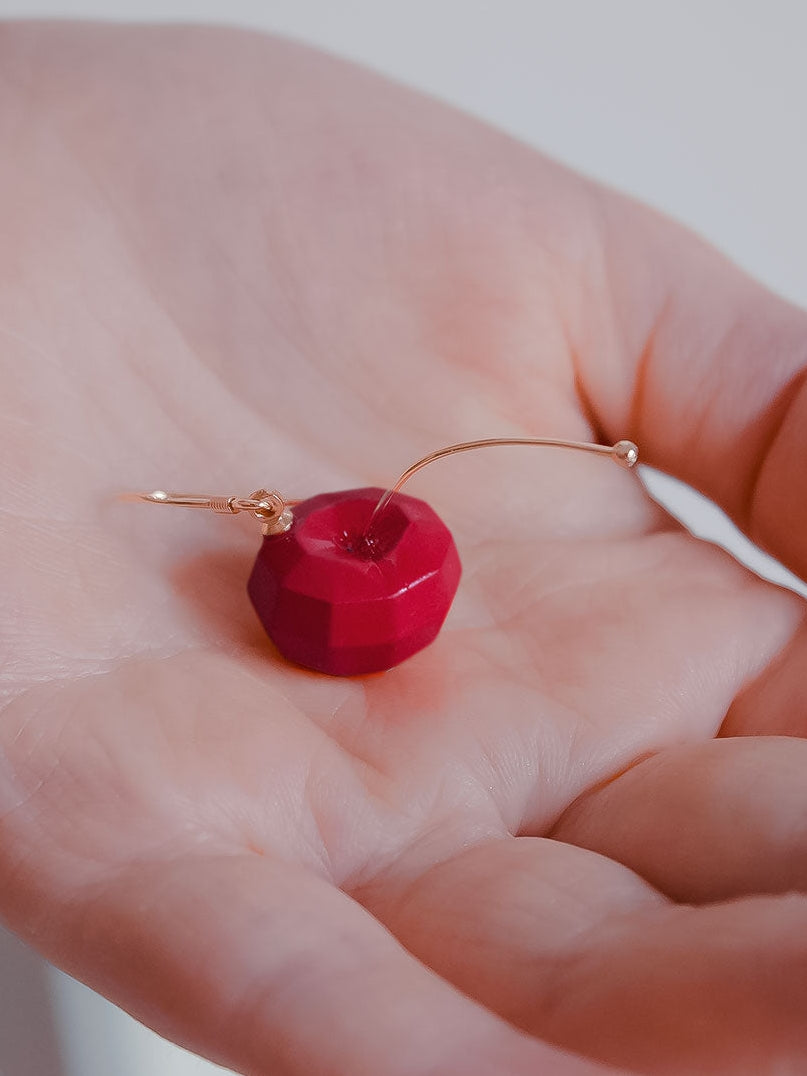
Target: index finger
x=706, y=370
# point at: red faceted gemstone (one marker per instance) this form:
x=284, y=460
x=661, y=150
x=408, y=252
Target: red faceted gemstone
x=341, y=605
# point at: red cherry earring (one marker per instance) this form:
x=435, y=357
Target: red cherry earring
x=357, y=581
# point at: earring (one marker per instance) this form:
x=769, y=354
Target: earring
x=357, y=581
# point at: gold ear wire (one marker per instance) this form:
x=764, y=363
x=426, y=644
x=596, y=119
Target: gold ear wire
x=274, y=512
x=625, y=453
x=271, y=509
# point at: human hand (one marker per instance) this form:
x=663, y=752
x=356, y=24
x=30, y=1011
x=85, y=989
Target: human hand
x=576, y=822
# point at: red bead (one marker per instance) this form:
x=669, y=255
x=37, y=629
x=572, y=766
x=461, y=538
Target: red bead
x=342, y=606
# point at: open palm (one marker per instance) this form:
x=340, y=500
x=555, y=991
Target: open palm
x=228, y=262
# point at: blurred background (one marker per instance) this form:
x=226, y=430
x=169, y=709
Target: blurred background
x=698, y=107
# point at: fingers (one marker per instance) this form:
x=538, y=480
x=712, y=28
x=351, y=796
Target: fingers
x=704, y=822
x=561, y=944
x=483, y=916
x=775, y=703
x=718, y=989
x=706, y=371
x=268, y=969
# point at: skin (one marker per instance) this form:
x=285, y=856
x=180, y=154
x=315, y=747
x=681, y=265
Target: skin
x=571, y=836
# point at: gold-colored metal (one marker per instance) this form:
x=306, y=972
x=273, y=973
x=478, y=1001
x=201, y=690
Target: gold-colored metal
x=624, y=452
x=271, y=510
x=274, y=512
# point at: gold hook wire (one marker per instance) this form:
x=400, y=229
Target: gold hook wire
x=624, y=452
x=274, y=512
x=269, y=507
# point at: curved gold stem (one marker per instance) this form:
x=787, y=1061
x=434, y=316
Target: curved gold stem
x=273, y=511
x=624, y=452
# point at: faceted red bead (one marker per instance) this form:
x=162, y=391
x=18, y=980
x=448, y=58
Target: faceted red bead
x=342, y=606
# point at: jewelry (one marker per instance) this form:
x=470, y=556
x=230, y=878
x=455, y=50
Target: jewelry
x=357, y=581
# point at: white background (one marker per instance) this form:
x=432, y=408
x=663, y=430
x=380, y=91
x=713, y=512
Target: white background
x=697, y=106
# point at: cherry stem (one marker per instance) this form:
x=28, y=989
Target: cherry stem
x=624, y=452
